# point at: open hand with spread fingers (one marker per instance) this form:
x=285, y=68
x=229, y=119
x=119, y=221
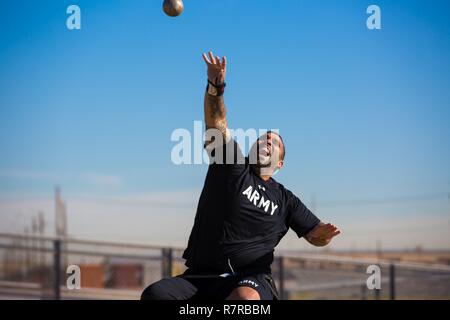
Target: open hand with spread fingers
x=322, y=234
x=217, y=68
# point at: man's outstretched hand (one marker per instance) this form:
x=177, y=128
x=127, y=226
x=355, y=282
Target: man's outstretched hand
x=322, y=234
x=217, y=68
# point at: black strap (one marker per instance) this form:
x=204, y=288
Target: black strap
x=220, y=88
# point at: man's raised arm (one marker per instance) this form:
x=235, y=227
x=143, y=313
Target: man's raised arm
x=214, y=107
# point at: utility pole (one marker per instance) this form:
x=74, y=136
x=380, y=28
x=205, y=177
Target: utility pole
x=41, y=230
x=26, y=261
x=379, y=250
x=61, y=224
x=34, y=242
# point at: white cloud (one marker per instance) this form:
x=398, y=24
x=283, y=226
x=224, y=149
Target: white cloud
x=102, y=180
x=28, y=175
x=91, y=178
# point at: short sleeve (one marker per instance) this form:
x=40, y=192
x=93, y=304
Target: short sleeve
x=226, y=157
x=222, y=150
x=300, y=218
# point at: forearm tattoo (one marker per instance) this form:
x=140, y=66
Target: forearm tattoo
x=215, y=113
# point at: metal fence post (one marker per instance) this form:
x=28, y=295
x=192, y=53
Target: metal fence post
x=364, y=292
x=163, y=262
x=169, y=262
x=166, y=262
x=377, y=293
x=392, y=281
x=281, y=276
x=57, y=269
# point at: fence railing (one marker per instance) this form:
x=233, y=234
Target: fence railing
x=35, y=267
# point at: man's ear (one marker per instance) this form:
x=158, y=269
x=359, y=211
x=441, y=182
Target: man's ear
x=280, y=164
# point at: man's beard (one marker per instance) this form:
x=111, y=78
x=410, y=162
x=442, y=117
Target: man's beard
x=266, y=164
x=261, y=157
x=264, y=160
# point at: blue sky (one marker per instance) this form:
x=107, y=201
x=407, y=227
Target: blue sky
x=364, y=114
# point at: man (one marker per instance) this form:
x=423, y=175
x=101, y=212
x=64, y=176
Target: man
x=242, y=214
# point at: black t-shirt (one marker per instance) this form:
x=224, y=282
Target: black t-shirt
x=241, y=218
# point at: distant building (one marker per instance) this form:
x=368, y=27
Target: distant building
x=92, y=275
x=125, y=273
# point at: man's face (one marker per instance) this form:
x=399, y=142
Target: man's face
x=267, y=151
